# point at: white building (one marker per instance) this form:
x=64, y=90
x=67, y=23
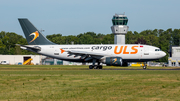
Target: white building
x=174, y=59
x=20, y=59
x=36, y=60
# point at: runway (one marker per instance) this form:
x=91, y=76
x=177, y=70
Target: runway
x=142, y=69
x=86, y=68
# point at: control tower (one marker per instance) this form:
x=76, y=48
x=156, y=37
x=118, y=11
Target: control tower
x=119, y=28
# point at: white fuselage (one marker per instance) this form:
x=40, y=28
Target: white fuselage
x=128, y=52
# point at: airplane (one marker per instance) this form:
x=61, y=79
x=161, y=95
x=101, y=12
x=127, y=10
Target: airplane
x=109, y=54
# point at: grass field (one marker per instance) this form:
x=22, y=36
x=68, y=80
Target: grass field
x=72, y=83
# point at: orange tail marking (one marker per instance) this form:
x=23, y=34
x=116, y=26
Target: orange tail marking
x=62, y=51
x=36, y=34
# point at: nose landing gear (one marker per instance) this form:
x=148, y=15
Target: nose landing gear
x=145, y=65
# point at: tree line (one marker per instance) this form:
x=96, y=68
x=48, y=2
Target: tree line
x=157, y=37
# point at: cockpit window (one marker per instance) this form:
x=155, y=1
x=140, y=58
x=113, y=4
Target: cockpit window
x=157, y=50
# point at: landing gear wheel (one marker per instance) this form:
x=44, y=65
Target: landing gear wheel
x=96, y=67
x=91, y=67
x=100, y=67
x=144, y=67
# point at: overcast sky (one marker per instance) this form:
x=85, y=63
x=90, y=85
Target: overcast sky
x=72, y=17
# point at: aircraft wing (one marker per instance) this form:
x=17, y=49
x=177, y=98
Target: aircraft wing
x=86, y=55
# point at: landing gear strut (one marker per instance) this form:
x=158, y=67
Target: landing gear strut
x=145, y=65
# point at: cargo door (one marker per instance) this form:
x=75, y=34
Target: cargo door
x=26, y=58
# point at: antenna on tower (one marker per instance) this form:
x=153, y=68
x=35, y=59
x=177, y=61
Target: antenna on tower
x=42, y=30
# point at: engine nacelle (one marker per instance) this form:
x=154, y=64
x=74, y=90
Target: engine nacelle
x=113, y=61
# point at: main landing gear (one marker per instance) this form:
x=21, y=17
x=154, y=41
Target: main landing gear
x=95, y=67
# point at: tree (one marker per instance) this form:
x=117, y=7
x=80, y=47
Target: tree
x=8, y=41
x=141, y=40
x=176, y=37
x=157, y=37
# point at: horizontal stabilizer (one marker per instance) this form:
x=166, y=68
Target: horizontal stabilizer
x=35, y=48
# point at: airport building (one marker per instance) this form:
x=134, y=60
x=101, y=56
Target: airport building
x=174, y=59
x=28, y=60
x=119, y=28
x=33, y=60
x=20, y=59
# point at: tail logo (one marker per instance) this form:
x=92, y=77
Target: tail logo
x=36, y=34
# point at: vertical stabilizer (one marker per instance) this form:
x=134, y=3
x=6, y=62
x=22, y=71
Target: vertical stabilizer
x=33, y=36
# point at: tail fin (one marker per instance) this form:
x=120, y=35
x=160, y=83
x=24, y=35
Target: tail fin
x=33, y=36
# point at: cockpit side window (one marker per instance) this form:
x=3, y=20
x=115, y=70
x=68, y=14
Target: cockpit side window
x=157, y=49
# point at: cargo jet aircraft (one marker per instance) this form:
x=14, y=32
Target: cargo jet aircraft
x=109, y=54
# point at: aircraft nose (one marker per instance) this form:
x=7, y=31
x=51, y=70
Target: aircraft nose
x=163, y=54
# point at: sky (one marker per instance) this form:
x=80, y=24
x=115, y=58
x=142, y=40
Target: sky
x=72, y=17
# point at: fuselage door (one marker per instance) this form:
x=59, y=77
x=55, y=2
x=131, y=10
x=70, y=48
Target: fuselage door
x=141, y=52
x=146, y=51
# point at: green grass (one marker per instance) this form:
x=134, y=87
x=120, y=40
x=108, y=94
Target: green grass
x=69, y=83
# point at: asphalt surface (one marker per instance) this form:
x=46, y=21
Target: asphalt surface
x=142, y=69
x=83, y=69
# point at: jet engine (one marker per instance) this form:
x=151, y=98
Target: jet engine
x=113, y=61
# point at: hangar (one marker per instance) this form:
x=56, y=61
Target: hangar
x=34, y=59
x=20, y=59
